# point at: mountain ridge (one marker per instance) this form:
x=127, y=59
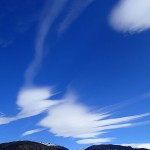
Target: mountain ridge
x=31, y=145
x=112, y=147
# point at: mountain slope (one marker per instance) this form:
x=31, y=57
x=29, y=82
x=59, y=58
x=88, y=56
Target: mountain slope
x=28, y=145
x=112, y=147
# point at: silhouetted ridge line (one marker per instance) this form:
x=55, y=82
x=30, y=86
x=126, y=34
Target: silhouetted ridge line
x=29, y=145
x=112, y=147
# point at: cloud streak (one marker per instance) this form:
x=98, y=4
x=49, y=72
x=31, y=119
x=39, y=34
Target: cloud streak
x=6, y=120
x=94, y=141
x=76, y=9
x=29, y=94
x=31, y=132
x=31, y=102
x=65, y=117
x=78, y=121
x=34, y=101
x=50, y=13
x=131, y=16
x=68, y=118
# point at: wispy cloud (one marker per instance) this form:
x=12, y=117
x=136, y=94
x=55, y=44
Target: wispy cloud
x=78, y=121
x=6, y=120
x=75, y=10
x=65, y=117
x=31, y=102
x=94, y=141
x=138, y=145
x=34, y=101
x=32, y=132
x=50, y=13
x=68, y=118
x=131, y=15
x=29, y=94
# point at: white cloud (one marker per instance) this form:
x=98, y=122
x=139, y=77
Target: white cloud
x=34, y=101
x=138, y=145
x=49, y=15
x=94, y=141
x=76, y=9
x=6, y=120
x=121, y=120
x=31, y=132
x=72, y=119
x=67, y=117
x=131, y=15
x=89, y=135
x=75, y=119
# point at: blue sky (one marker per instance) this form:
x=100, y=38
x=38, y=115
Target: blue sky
x=75, y=73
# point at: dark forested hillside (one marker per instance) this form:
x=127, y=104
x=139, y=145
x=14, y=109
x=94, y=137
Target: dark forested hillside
x=28, y=145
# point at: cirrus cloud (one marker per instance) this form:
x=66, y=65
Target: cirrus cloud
x=72, y=119
x=31, y=132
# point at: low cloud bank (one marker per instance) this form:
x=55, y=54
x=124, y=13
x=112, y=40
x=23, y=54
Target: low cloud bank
x=138, y=145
